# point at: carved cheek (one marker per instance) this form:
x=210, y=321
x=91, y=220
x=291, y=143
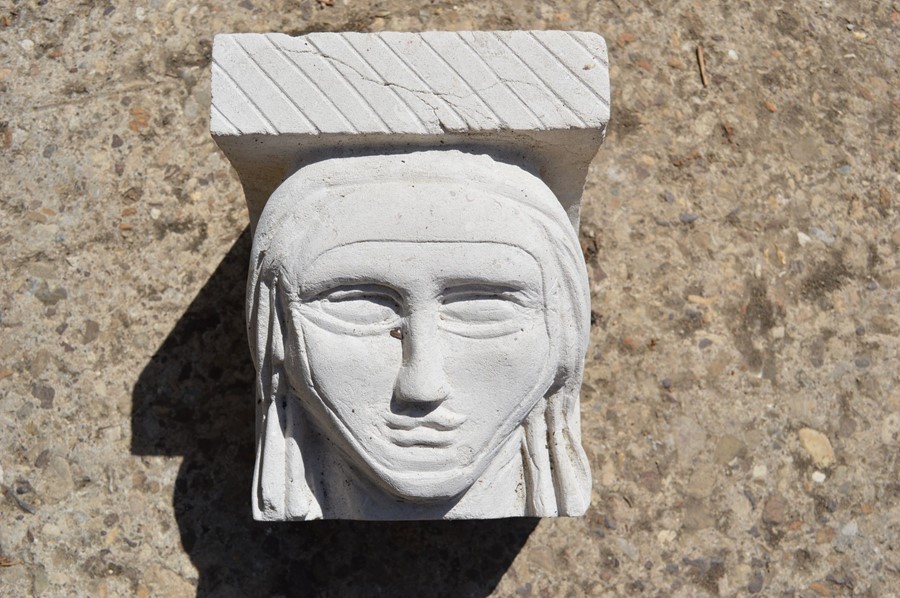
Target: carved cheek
x=498, y=378
x=353, y=375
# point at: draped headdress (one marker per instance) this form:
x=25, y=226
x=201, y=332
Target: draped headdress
x=296, y=226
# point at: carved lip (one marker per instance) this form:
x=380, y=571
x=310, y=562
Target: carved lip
x=434, y=430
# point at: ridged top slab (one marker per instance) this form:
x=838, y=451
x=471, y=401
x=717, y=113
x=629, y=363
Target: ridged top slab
x=429, y=83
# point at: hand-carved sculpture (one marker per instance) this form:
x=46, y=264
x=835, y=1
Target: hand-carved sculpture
x=418, y=312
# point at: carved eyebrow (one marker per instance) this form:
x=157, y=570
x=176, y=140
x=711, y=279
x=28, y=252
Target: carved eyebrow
x=484, y=288
x=323, y=273
x=499, y=280
x=351, y=291
x=349, y=286
x=516, y=293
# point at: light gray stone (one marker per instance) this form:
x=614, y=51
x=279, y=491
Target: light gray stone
x=538, y=96
x=418, y=304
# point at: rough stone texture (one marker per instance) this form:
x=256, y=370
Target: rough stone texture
x=743, y=246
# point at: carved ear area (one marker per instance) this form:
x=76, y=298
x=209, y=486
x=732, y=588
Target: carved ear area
x=559, y=380
x=571, y=470
x=281, y=488
x=276, y=326
x=541, y=496
x=270, y=464
x=562, y=349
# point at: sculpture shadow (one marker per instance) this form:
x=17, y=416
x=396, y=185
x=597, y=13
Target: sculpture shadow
x=194, y=399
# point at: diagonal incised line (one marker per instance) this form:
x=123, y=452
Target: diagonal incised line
x=390, y=86
x=552, y=54
x=540, y=80
x=577, y=40
x=228, y=122
x=299, y=71
x=506, y=85
x=272, y=80
x=267, y=124
x=359, y=96
x=466, y=83
x=426, y=87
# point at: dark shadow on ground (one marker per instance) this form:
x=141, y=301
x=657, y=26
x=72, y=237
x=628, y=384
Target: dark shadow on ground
x=194, y=399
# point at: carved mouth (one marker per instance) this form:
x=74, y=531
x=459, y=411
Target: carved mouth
x=434, y=430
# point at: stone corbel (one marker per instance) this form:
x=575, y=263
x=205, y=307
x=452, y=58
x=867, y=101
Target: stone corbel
x=418, y=307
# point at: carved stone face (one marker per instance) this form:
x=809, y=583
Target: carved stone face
x=425, y=357
x=419, y=324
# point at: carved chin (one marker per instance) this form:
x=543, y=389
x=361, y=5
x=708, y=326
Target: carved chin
x=431, y=487
x=437, y=477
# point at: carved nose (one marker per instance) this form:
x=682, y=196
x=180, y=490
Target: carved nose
x=421, y=378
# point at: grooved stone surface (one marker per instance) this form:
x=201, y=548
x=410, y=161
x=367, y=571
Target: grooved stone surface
x=410, y=83
x=540, y=99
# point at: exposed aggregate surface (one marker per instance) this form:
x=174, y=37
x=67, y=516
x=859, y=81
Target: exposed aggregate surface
x=741, y=405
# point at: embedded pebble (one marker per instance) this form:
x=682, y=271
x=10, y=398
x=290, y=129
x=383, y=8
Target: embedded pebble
x=44, y=394
x=775, y=509
x=40, y=581
x=55, y=482
x=628, y=549
x=821, y=235
x=760, y=472
x=756, y=583
x=49, y=296
x=191, y=109
x=51, y=530
x=690, y=440
x=890, y=429
x=818, y=477
x=817, y=446
x=728, y=448
x=850, y=530
x=702, y=481
x=665, y=536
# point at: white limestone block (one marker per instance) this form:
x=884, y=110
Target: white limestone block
x=408, y=83
x=418, y=305
x=540, y=96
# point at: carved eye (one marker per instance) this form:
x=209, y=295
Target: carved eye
x=358, y=309
x=485, y=310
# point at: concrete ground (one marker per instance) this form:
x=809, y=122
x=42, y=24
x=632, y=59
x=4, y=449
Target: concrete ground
x=741, y=405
